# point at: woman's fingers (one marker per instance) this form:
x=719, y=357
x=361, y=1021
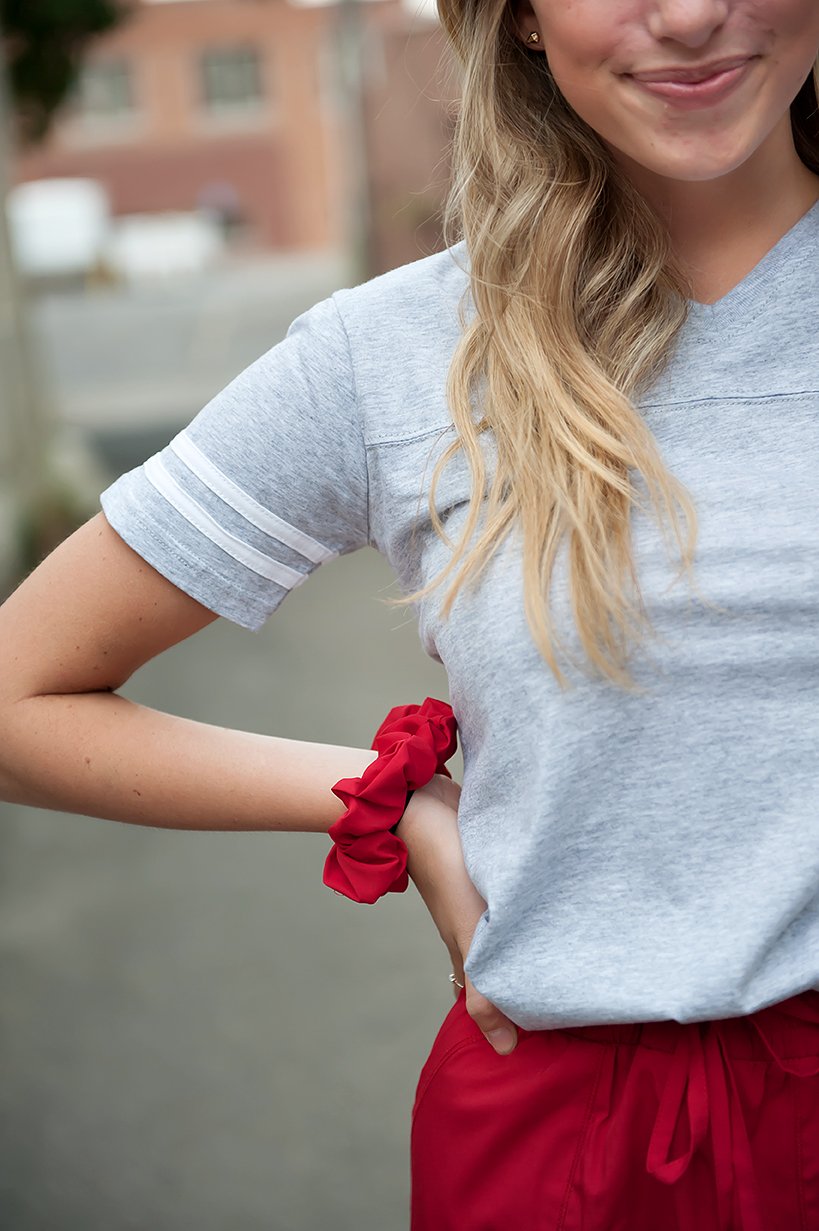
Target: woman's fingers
x=500, y=1032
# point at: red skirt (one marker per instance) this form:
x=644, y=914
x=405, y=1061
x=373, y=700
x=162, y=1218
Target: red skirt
x=657, y=1126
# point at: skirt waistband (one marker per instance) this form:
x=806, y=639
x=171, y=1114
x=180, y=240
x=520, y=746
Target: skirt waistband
x=783, y=1031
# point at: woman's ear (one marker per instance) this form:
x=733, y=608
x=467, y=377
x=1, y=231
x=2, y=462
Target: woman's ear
x=524, y=21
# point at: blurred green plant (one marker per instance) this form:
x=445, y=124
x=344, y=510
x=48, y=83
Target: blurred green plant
x=42, y=526
x=42, y=47
x=44, y=43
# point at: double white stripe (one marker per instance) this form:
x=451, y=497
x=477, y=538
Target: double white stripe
x=242, y=503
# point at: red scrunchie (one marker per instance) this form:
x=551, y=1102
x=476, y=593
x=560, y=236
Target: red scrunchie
x=366, y=860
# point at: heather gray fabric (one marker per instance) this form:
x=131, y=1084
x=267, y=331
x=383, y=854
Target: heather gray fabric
x=642, y=857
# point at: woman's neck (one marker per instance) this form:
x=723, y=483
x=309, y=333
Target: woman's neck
x=721, y=229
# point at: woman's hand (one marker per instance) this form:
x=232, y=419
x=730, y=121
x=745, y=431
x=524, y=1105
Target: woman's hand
x=429, y=827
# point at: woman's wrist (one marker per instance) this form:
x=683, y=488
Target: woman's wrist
x=367, y=858
x=418, y=804
x=436, y=865
x=394, y=828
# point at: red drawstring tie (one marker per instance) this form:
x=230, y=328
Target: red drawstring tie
x=696, y=1083
x=413, y=743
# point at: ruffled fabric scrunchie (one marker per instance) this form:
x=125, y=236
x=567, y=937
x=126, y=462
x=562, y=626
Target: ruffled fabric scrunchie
x=367, y=860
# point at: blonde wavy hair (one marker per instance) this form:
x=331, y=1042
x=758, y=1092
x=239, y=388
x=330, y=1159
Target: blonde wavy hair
x=578, y=301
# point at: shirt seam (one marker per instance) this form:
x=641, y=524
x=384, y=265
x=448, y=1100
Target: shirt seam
x=357, y=403
x=403, y=440
x=742, y=400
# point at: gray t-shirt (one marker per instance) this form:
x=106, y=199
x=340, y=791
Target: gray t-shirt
x=642, y=858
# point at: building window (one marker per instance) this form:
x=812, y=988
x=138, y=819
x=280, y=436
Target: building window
x=231, y=79
x=105, y=90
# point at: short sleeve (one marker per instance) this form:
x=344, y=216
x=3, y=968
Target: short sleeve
x=268, y=481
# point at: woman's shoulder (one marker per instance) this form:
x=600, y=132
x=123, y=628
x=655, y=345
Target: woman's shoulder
x=403, y=327
x=411, y=300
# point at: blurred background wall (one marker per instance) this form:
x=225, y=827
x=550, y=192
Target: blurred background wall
x=194, y=1032
x=258, y=152
x=238, y=107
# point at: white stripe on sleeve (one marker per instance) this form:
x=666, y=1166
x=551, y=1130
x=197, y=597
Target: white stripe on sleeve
x=193, y=512
x=244, y=504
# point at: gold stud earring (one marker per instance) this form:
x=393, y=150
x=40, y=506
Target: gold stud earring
x=534, y=37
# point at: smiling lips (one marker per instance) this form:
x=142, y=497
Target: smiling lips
x=692, y=75
x=692, y=90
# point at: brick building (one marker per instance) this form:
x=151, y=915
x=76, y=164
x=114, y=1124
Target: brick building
x=236, y=105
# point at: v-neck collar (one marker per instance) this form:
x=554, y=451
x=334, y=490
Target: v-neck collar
x=787, y=251
x=753, y=285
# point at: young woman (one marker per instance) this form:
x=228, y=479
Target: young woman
x=623, y=328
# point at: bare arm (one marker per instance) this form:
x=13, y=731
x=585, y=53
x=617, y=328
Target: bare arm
x=435, y=862
x=76, y=630
x=91, y=614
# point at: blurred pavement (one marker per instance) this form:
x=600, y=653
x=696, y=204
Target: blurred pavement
x=194, y=1031
x=133, y=364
